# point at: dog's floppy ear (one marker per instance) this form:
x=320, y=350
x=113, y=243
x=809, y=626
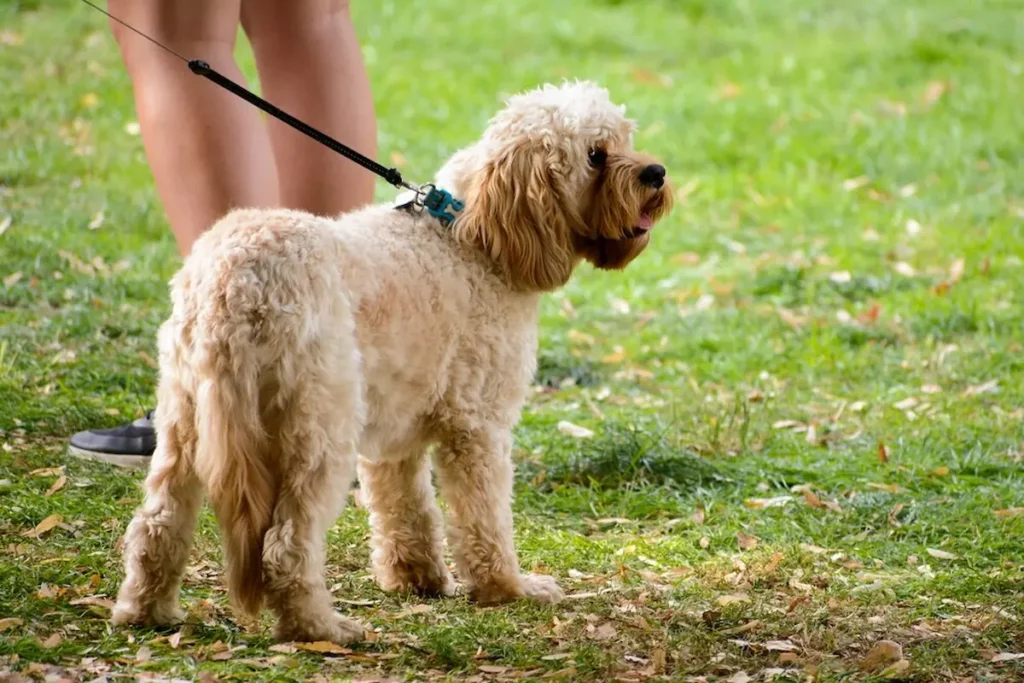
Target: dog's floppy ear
x=516, y=213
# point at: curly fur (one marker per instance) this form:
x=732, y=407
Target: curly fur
x=301, y=346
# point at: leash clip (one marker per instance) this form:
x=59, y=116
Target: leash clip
x=437, y=202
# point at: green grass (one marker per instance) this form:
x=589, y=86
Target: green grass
x=798, y=314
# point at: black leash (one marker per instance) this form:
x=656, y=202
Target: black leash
x=201, y=68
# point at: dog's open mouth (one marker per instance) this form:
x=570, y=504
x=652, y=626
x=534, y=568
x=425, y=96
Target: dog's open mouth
x=642, y=227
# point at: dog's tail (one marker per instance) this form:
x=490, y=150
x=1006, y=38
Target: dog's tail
x=231, y=460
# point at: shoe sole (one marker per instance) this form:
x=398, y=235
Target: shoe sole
x=132, y=462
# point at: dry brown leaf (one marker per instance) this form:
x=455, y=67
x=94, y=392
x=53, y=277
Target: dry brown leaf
x=956, y=271
x=94, y=600
x=940, y=471
x=9, y=623
x=414, y=610
x=888, y=488
x=1007, y=657
x=57, y=485
x=990, y=386
x=761, y=503
x=283, y=648
x=44, y=526
x=746, y=541
x=323, y=647
x=785, y=424
x=175, y=640
x=780, y=646
x=732, y=598
x=574, y=430
x=46, y=472
x=740, y=677
x=906, y=404
x=53, y=641
x=617, y=356
x=1008, y=512
x=13, y=279
x=941, y=554
x=492, y=669
x=812, y=499
x=698, y=515
x=605, y=631
x=816, y=549
x=883, y=452
x=883, y=653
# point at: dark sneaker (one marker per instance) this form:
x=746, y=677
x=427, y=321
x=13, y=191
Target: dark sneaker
x=129, y=445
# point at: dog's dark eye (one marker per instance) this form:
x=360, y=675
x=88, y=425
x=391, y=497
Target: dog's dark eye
x=598, y=157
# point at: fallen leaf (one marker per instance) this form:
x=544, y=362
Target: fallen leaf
x=574, y=430
x=57, y=485
x=785, y=424
x=1007, y=657
x=780, y=646
x=740, y=677
x=812, y=498
x=283, y=648
x=44, y=526
x=931, y=389
x=10, y=622
x=557, y=656
x=941, y=554
x=94, y=600
x=760, y=503
x=1008, y=512
x=175, y=640
x=905, y=269
x=13, y=279
x=956, y=271
x=940, y=471
x=906, y=404
x=990, y=386
x=491, y=669
x=143, y=655
x=746, y=541
x=11, y=39
x=698, y=515
x=816, y=549
x=883, y=452
x=888, y=488
x=53, y=641
x=732, y=598
x=604, y=632
x=97, y=221
x=4, y=224
x=415, y=609
x=704, y=542
x=323, y=647
x=883, y=653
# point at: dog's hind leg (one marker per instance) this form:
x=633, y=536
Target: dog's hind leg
x=408, y=550
x=158, y=539
x=475, y=472
x=316, y=442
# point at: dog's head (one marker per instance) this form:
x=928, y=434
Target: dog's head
x=555, y=180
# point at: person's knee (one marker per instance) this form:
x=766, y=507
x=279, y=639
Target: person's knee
x=270, y=21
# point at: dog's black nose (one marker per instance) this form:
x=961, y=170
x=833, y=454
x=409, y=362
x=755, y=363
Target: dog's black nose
x=653, y=176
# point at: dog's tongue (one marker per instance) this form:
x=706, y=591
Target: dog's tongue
x=645, y=222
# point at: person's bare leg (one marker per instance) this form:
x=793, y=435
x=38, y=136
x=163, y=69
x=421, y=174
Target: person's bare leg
x=311, y=66
x=209, y=150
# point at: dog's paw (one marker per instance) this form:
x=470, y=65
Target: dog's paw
x=533, y=586
x=333, y=628
x=127, y=612
x=426, y=581
x=542, y=588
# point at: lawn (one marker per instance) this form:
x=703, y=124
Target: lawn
x=793, y=429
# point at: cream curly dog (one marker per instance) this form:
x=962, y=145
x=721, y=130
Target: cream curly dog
x=299, y=345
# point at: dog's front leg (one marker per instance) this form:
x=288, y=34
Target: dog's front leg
x=475, y=473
